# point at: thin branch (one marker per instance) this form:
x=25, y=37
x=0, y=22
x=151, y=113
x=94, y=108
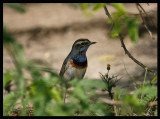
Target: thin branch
x=140, y=11
x=109, y=16
x=141, y=8
x=130, y=56
x=125, y=49
x=147, y=14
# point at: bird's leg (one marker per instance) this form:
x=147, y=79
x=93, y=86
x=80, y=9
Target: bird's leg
x=65, y=93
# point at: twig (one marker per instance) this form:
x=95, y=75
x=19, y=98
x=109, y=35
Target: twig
x=124, y=47
x=140, y=11
x=109, y=16
x=145, y=76
x=130, y=56
x=141, y=8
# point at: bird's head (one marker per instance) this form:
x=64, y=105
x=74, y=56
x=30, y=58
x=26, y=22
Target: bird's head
x=81, y=45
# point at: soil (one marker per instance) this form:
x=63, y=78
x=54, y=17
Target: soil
x=47, y=32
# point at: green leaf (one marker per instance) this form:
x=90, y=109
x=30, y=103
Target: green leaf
x=117, y=28
x=60, y=109
x=84, y=6
x=84, y=9
x=147, y=93
x=155, y=78
x=133, y=102
x=9, y=102
x=98, y=6
x=155, y=113
x=119, y=6
x=55, y=95
x=114, y=35
x=7, y=77
x=132, y=25
x=99, y=108
x=88, y=84
x=17, y=6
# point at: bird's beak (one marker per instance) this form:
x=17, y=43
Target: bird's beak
x=93, y=43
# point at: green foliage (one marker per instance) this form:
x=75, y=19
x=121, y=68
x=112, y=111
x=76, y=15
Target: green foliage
x=59, y=109
x=147, y=92
x=85, y=6
x=7, y=77
x=110, y=82
x=16, y=6
x=136, y=102
x=9, y=102
x=83, y=94
x=155, y=113
x=98, y=6
x=120, y=7
x=40, y=88
x=121, y=19
x=132, y=25
x=154, y=79
x=42, y=91
x=130, y=104
x=45, y=92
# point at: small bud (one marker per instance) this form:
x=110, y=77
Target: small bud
x=108, y=66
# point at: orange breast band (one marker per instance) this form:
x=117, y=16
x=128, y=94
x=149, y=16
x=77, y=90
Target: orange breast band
x=76, y=66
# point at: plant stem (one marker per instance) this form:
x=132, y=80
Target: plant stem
x=146, y=69
x=65, y=95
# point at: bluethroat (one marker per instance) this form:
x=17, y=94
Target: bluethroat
x=75, y=64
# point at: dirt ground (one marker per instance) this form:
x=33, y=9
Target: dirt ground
x=47, y=32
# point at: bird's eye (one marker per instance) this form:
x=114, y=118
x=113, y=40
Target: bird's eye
x=82, y=43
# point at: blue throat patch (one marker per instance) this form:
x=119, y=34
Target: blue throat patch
x=80, y=60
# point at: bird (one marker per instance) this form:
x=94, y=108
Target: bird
x=75, y=64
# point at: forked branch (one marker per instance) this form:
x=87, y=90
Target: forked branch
x=124, y=47
x=140, y=9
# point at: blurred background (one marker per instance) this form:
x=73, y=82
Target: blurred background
x=47, y=31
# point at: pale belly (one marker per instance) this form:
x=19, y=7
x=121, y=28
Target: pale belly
x=72, y=73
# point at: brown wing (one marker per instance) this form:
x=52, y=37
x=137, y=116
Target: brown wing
x=63, y=69
x=64, y=66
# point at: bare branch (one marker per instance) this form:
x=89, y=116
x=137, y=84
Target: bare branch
x=124, y=47
x=140, y=11
x=109, y=16
x=130, y=56
x=141, y=8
